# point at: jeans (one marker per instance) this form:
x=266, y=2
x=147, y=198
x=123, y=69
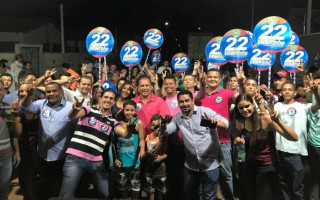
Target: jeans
x=5, y=174
x=291, y=175
x=73, y=169
x=261, y=182
x=313, y=174
x=225, y=179
x=208, y=179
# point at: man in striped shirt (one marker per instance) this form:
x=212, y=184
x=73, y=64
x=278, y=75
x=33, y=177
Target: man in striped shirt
x=87, y=144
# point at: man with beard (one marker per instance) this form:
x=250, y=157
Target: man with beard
x=202, y=149
x=55, y=130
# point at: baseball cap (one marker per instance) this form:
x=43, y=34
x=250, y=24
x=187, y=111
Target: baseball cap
x=281, y=74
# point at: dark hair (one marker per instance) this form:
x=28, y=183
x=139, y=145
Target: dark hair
x=4, y=60
x=254, y=117
x=65, y=74
x=143, y=77
x=16, y=57
x=121, y=88
x=251, y=78
x=214, y=70
x=109, y=90
x=185, y=92
x=86, y=77
x=156, y=117
x=27, y=62
x=129, y=102
x=299, y=85
x=2, y=64
x=121, y=79
x=288, y=82
x=23, y=74
x=316, y=77
x=170, y=77
x=6, y=74
x=65, y=65
x=54, y=83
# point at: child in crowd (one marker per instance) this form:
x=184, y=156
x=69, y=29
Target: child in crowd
x=128, y=152
x=155, y=167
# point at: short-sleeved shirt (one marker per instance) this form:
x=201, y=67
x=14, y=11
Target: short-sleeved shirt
x=313, y=124
x=154, y=106
x=295, y=116
x=220, y=102
x=91, y=135
x=70, y=94
x=202, y=148
x=5, y=145
x=55, y=128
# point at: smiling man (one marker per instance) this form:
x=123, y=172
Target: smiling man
x=83, y=91
x=54, y=132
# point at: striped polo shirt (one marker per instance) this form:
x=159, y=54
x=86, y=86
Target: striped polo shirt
x=91, y=135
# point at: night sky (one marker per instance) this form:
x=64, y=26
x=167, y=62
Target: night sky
x=131, y=18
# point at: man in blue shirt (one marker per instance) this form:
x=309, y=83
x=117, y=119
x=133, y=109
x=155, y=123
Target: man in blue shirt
x=54, y=134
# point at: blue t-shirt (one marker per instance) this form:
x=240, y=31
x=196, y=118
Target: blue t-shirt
x=127, y=149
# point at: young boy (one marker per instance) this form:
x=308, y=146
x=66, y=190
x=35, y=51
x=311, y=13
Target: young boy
x=128, y=152
x=155, y=167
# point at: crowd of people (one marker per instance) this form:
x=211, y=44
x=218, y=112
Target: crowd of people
x=157, y=132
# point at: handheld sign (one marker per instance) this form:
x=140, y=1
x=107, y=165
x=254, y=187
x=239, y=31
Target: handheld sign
x=99, y=42
x=180, y=62
x=131, y=54
x=236, y=45
x=153, y=38
x=156, y=57
x=294, y=39
x=291, y=56
x=213, y=53
x=272, y=34
x=259, y=60
x=210, y=65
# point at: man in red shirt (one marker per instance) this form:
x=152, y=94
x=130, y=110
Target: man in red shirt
x=148, y=104
x=219, y=100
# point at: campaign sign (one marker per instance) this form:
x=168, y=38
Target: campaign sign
x=131, y=53
x=213, y=53
x=236, y=45
x=180, y=62
x=291, y=56
x=272, y=34
x=156, y=57
x=99, y=42
x=153, y=38
x=259, y=60
x=251, y=35
x=294, y=39
x=211, y=65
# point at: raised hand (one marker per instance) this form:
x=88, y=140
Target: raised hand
x=202, y=76
x=123, y=73
x=259, y=97
x=240, y=75
x=14, y=109
x=312, y=84
x=196, y=65
x=49, y=73
x=163, y=74
x=83, y=68
x=301, y=67
x=77, y=105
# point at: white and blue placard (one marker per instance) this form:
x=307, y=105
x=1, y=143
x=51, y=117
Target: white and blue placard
x=180, y=62
x=99, y=42
x=236, y=45
x=272, y=34
x=131, y=54
x=213, y=53
x=153, y=38
x=259, y=60
x=156, y=57
x=292, y=56
x=211, y=65
x=294, y=39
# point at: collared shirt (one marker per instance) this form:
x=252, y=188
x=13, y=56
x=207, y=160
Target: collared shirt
x=155, y=105
x=295, y=116
x=203, y=152
x=16, y=67
x=70, y=94
x=55, y=129
x=220, y=101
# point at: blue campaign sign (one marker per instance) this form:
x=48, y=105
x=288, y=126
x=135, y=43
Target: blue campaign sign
x=210, y=65
x=99, y=42
x=156, y=57
x=272, y=34
x=294, y=39
x=180, y=62
x=236, y=45
x=131, y=54
x=213, y=53
x=291, y=56
x=153, y=38
x=259, y=60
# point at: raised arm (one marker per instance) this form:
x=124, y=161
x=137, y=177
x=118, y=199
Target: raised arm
x=76, y=112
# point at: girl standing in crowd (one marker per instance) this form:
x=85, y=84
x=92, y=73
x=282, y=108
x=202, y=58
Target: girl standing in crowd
x=256, y=131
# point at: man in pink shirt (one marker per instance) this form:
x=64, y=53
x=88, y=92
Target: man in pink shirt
x=219, y=100
x=148, y=104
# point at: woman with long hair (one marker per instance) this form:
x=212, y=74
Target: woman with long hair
x=256, y=131
x=125, y=92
